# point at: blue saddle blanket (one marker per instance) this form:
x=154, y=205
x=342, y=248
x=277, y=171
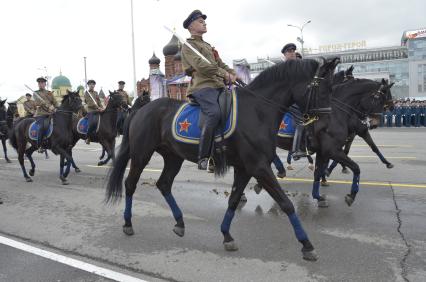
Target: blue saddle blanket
x=33, y=131
x=83, y=125
x=287, y=126
x=185, y=125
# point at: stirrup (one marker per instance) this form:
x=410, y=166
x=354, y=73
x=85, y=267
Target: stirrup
x=210, y=165
x=203, y=163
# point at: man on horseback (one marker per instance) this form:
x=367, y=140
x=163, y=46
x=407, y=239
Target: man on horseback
x=208, y=80
x=29, y=106
x=94, y=106
x=123, y=93
x=289, y=53
x=45, y=106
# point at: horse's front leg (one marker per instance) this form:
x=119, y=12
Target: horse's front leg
x=367, y=138
x=3, y=142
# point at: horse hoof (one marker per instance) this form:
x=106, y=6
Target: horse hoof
x=31, y=172
x=257, y=188
x=180, y=231
x=345, y=171
x=349, y=200
x=28, y=179
x=389, y=165
x=323, y=203
x=65, y=182
x=101, y=163
x=77, y=170
x=281, y=174
x=230, y=246
x=243, y=198
x=128, y=230
x=8, y=161
x=310, y=255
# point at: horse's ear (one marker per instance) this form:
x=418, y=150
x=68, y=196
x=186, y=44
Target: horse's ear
x=390, y=85
x=336, y=61
x=110, y=93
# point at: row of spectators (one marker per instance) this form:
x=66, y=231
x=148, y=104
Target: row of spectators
x=406, y=113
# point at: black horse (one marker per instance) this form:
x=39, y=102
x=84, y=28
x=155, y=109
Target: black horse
x=351, y=101
x=59, y=142
x=107, y=127
x=4, y=127
x=250, y=149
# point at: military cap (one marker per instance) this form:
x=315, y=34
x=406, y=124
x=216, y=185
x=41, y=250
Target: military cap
x=192, y=17
x=121, y=82
x=287, y=47
x=41, y=79
x=28, y=94
x=91, y=81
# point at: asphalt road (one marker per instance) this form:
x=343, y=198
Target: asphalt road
x=380, y=238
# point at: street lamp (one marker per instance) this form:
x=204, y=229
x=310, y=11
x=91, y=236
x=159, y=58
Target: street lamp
x=300, y=39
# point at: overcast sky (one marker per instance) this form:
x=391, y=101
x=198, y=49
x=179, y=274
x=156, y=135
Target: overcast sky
x=57, y=34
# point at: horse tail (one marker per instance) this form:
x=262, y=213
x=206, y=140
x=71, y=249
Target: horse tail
x=221, y=164
x=116, y=174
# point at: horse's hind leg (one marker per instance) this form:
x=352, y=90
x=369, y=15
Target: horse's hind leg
x=3, y=142
x=266, y=177
x=103, y=153
x=241, y=178
x=29, y=154
x=110, y=152
x=172, y=165
x=136, y=168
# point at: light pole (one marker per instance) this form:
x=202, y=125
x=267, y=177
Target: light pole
x=135, y=94
x=300, y=39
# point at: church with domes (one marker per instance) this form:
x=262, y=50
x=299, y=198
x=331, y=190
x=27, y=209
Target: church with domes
x=174, y=82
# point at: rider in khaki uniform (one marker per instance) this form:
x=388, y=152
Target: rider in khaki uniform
x=123, y=93
x=29, y=106
x=46, y=105
x=94, y=106
x=208, y=80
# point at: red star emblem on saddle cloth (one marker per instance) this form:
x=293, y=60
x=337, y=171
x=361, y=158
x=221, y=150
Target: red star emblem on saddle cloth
x=184, y=126
x=283, y=125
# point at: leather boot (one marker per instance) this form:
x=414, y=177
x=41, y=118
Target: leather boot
x=204, y=149
x=298, y=152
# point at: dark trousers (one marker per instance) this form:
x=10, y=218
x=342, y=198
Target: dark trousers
x=278, y=164
x=207, y=98
x=92, y=120
x=43, y=125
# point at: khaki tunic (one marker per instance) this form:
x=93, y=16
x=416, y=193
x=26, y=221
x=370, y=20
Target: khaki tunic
x=46, y=104
x=30, y=107
x=203, y=74
x=92, y=101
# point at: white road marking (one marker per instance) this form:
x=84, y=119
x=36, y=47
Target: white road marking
x=104, y=272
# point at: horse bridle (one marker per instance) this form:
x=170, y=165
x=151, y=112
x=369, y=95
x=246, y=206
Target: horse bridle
x=362, y=116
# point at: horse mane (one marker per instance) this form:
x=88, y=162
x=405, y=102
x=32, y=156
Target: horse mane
x=354, y=86
x=288, y=71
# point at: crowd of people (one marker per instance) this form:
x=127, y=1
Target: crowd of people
x=406, y=113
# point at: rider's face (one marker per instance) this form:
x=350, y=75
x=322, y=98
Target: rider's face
x=42, y=85
x=91, y=86
x=290, y=54
x=198, y=26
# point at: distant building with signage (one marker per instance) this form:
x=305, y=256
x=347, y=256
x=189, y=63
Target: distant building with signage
x=405, y=65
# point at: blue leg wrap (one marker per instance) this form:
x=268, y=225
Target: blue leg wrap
x=297, y=226
x=128, y=208
x=177, y=213
x=355, y=184
x=332, y=166
x=315, y=190
x=381, y=157
x=227, y=219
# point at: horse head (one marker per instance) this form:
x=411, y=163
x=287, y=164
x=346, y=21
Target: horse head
x=72, y=101
x=377, y=102
x=116, y=100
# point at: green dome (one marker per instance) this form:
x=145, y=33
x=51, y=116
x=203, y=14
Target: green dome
x=80, y=87
x=60, y=81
